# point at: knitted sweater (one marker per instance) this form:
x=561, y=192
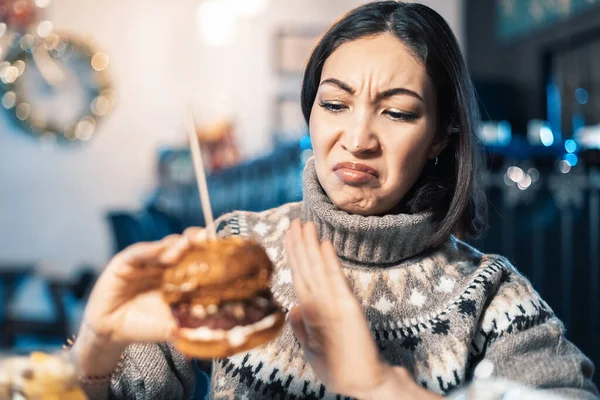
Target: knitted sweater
x=438, y=313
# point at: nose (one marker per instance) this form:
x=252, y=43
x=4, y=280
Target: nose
x=359, y=137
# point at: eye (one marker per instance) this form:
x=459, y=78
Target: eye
x=400, y=116
x=333, y=107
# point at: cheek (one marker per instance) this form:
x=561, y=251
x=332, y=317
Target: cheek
x=406, y=159
x=322, y=135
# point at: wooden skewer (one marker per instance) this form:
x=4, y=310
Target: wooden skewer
x=201, y=177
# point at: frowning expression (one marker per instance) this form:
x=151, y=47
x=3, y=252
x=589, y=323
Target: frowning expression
x=373, y=124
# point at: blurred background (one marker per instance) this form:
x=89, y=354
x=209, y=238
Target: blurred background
x=94, y=155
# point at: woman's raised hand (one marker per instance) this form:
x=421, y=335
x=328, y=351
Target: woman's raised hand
x=331, y=327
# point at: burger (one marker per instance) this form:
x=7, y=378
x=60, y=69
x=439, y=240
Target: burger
x=219, y=295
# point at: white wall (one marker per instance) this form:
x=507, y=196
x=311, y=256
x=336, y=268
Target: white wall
x=53, y=201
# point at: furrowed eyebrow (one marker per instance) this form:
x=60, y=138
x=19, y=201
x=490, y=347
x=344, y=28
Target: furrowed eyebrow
x=383, y=95
x=342, y=85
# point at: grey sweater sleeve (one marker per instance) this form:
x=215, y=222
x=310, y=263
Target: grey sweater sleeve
x=153, y=371
x=543, y=358
x=523, y=342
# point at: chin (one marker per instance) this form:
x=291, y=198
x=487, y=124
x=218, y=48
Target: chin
x=361, y=204
x=358, y=206
x=357, y=200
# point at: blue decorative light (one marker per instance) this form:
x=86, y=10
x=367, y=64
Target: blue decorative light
x=504, y=133
x=305, y=143
x=546, y=136
x=581, y=95
x=570, y=146
x=571, y=159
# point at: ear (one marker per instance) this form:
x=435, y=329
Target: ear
x=438, y=145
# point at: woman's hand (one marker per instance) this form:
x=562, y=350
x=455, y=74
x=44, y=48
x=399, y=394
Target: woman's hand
x=331, y=327
x=126, y=304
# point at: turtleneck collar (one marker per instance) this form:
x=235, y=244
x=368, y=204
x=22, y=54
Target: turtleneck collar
x=366, y=240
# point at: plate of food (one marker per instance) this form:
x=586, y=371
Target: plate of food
x=40, y=376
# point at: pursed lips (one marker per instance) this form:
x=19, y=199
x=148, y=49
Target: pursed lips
x=356, y=167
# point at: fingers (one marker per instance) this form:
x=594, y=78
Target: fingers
x=297, y=324
x=175, y=247
x=300, y=284
x=195, y=235
x=299, y=248
x=315, y=267
x=311, y=247
x=150, y=319
x=165, y=252
x=332, y=268
x=141, y=253
x=170, y=240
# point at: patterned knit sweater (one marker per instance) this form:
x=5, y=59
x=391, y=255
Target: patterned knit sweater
x=438, y=313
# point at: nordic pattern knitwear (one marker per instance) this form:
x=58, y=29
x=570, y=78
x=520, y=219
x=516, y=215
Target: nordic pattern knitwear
x=437, y=312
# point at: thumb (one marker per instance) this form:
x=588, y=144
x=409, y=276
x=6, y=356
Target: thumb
x=297, y=324
x=141, y=252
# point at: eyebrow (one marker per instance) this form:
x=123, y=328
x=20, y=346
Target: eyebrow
x=380, y=96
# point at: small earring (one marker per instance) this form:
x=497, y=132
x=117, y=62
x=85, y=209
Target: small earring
x=436, y=162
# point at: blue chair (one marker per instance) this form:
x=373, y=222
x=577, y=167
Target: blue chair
x=126, y=230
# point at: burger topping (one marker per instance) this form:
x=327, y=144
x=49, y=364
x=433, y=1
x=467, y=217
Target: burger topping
x=226, y=315
x=198, y=311
x=212, y=309
x=236, y=336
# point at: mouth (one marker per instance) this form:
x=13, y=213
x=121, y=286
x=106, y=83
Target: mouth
x=355, y=173
x=356, y=167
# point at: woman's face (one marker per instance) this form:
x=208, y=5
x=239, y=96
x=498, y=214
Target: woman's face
x=373, y=124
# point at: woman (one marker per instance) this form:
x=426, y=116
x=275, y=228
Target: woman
x=393, y=184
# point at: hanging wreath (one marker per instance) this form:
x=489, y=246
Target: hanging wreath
x=53, y=84
x=56, y=86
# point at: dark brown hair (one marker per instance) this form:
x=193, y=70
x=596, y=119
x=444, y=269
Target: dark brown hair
x=452, y=189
